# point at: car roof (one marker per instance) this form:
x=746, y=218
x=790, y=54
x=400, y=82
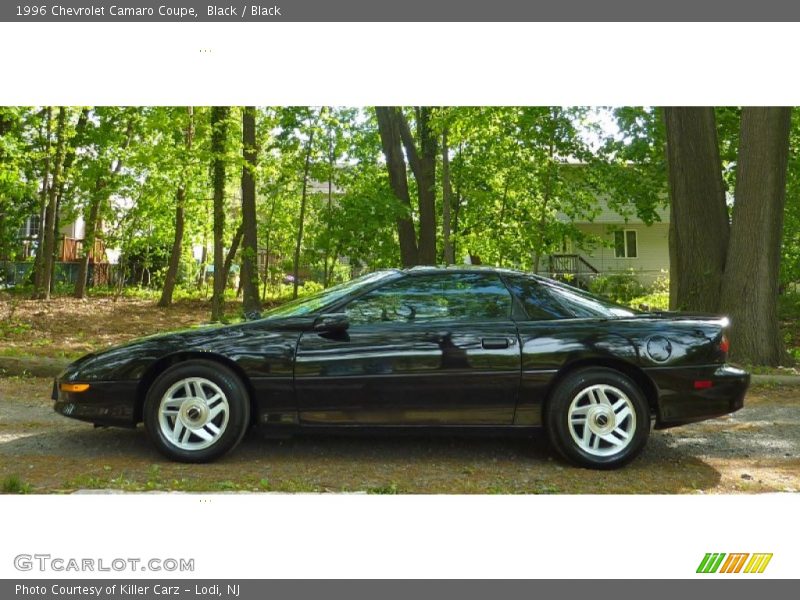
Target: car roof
x=424, y=269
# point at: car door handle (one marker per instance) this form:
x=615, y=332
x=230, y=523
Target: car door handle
x=494, y=343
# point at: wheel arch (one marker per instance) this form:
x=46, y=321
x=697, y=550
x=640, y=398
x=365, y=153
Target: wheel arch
x=165, y=362
x=639, y=377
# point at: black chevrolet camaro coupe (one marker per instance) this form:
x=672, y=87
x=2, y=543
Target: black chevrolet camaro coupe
x=427, y=347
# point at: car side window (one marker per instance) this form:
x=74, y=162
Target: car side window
x=416, y=298
x=537, y=300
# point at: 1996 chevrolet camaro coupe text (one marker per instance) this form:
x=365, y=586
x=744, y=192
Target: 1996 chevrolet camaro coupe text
x=424, y=348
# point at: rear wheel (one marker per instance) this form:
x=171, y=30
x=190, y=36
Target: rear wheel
x=196, y=411
x=598, y=418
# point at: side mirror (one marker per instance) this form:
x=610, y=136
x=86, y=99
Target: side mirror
x=331, y=322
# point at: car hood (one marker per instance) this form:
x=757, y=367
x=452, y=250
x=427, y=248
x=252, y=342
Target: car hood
x=130, y=360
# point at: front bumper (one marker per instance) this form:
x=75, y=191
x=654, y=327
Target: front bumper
x=104, y=403
x=681, y=402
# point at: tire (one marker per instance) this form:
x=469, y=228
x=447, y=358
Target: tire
x=598, y=418
x=196, y=411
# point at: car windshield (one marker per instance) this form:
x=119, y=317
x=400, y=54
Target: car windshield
x=311, y=304
x=582, y=304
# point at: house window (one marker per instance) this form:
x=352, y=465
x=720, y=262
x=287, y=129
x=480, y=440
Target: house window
x=31, y=227
x=625, y=244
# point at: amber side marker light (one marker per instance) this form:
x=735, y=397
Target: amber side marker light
x=74, y=387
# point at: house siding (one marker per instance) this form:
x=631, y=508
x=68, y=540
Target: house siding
x=652, y=249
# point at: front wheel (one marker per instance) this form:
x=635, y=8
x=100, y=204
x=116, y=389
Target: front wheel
x=196, y=411
x=598, y=418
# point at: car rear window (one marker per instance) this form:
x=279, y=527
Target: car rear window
x=539, y=304
x=546, y=300
x=585, y=305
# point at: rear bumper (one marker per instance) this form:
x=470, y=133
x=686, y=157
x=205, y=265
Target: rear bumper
x=686, y=395
x=104, y=403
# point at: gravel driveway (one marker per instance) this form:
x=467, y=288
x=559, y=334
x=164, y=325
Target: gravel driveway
x=754, y=450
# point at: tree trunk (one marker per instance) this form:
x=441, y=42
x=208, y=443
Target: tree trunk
x=396, y=165
x=548, y=189
x=423, y=166
x=237, y=239
x=56, y=229
x=69, y=158
x=673, y=262
x=501, y=219
x=48, y=251
x=174, y=264
x=39, y=258
x=201, y=276
x=326, y=276
x=301, y=222
x=90, y=231
x=180, y=202
x=699, y=217
x=219, y=133
x=456, y=207
x=100, y=195
x=268, y=247
x=750, y=287
x=249, y=279
x=447, y=199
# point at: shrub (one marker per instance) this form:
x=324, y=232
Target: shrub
x=661, y=284
x=12, y=484
x=655, y=301
x=621, y=287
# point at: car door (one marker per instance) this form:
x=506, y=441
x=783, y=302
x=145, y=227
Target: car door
x=427, y=349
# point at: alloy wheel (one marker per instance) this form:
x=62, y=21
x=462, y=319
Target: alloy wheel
x=193, y=413
x=602, y=420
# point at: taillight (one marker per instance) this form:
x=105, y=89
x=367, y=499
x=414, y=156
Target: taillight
x=724, y=344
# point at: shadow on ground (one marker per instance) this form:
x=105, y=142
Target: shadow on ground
x=76, y=457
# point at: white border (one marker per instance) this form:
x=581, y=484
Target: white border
x=334, y=536
x=473, y=64
x=440, y=63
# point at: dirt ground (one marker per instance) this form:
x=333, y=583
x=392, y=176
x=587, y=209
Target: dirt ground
x=66, y=327
x=754, y=450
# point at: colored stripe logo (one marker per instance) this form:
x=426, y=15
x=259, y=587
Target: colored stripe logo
x=737, y=562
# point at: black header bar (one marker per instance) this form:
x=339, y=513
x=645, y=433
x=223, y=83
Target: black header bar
x=399, y=10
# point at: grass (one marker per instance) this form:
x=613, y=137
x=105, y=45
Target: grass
x=9, y=327
x=762, y=370
x=388, y=489
x=155, y=481
x=13, y=484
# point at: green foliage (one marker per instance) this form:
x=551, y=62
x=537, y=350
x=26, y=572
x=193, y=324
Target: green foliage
x=653, y=301
x=790, y=258
x=390, y=489
x=13, y=484
x=516, y=170
x=789, y=315
x=22, y=156
x=625, y=288
x=10, y=327
x=621, y=287
x=519, y=175
x=661, y=284
x=633, y=172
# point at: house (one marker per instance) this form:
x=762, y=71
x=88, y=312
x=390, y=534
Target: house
x=69, y=251
x=615, y=243
x=70, y=242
